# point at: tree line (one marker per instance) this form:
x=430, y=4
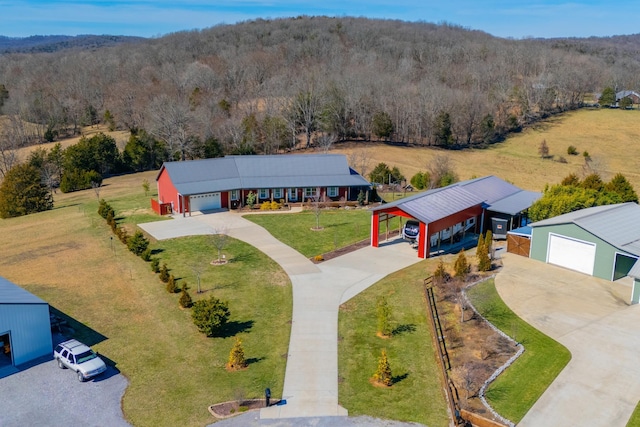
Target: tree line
x=267, y=86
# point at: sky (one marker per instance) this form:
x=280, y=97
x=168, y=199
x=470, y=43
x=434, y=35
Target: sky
x=153, y=18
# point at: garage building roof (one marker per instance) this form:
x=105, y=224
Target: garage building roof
x=13, y=294
x=492, y=192
x=262, y=171
x=615, y=224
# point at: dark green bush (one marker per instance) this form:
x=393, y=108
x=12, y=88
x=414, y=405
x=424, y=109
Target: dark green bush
x=146, y=255
x=210, y=315
x=171, y=285
x=164, y=273
x=138, y=243
x=155, y=265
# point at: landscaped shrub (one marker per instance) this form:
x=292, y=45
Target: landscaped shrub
x=236, y=357
x=488, y=242
x=138, y=243
x=155, y=265
x=171, y=285
x=185, y=300
x=164, y=273
x=122, y=235
x=462, y=266
x=480, y=244
x=265, y=206
x=361, y=198
x=572, y=151
x=440, y=275
x=210, y=315
x=112, y=221
x=484, y=262
x=251, y=199
x=383, y=373
x=318, y=258
x=146, y=255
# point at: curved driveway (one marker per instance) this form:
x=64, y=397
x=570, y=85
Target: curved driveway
x=311, y=378
x=592, y=318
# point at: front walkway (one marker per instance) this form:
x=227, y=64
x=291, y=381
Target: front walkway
x=311, y=378
x=592, y=318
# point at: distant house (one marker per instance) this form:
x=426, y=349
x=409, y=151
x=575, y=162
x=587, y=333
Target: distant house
x=25, y=326
x=225, y=182
x=464, y=207
x=631, y=94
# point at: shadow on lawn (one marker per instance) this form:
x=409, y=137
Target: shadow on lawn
x=401, y=329
x=246, y=257
x=396, y=379
x=233, y=328
x=71, y=328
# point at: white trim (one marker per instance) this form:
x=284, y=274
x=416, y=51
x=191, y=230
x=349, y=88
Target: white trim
x=333, y=193
x=278, y=193
x=261, y=192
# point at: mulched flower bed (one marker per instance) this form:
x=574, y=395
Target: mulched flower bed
x=235, y=407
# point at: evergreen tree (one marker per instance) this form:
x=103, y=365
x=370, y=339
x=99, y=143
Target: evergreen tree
x=488, y=242
x=484, y=262
x=480, y=244
x=622, y=187
x=383, y=373
x=440, y=274
x=22, y=192
x=164, y=273
x=210, y=315
x=171, y=285
x=462, y=266
x=442, y=127
x=185, y=299
x=236, y=357
x=608, y=96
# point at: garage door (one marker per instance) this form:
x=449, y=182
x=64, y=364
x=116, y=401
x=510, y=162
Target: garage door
x=570, y=253
x=204, y=202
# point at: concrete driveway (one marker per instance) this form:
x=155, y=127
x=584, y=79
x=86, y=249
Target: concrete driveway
x=592, y=318
x=311, y=378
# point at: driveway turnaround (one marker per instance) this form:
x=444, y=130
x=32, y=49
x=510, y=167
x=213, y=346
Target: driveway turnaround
x=592, y=318
x=44, y=395
x=311, y=378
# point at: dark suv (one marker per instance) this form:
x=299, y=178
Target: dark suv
x=411, y=230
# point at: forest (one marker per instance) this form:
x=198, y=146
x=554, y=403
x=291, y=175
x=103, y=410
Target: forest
x=268, y=86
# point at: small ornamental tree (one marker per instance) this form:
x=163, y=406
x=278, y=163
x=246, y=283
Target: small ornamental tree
x=251, y=199
x=383, y=374
x=440, y=274
x=155, y=265
x=138, y=243
x=480, y=244
x=236, y=357
x=488, y=242
x=383, y=312
x=210, y=315
x=462, y=266
x=543, y=149
x=164, y=273
x=185, y=300
x=484, y=262
x=171, y=285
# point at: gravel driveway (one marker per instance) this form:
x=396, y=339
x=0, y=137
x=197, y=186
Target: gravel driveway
x=44, y=395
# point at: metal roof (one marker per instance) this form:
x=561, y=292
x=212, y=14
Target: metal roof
x=521, y=231
x=615, y=224
x=515, y=203
x=11, y=293
x=262, y=171
x=438, y=203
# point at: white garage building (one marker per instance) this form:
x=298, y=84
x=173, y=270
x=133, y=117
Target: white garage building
x=25, y=326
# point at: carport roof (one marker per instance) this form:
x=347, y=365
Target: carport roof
x=615, y=224
x=490, y=191
x=11, y=293
x=262, y=171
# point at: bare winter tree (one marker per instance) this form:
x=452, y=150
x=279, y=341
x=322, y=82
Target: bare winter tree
x=170, y=121
x=325, y=142
x=220, y=239
x=359, y=160
x=318, y=204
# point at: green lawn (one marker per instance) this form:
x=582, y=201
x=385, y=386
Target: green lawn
x=520, y=386
x=417, y=395
x=634, y=421
x=340, y=228
x=123, y=310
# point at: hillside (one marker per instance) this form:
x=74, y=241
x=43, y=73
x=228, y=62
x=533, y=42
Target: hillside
x=55, y=43
x=268, y=86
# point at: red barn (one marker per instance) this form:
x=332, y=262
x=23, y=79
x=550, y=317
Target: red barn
x=225, y=182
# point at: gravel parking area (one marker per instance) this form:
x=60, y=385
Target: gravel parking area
x=251, y=419
x=44, y=395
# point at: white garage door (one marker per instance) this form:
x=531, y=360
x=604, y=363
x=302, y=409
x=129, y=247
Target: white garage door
x=571, y=253
x=204, y=202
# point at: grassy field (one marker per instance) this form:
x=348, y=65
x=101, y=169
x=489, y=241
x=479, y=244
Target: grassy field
x=119, y=306
x=634, y=421
x=340, y=228
x=610, y=136
x=417, y=395
x=520, y=386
